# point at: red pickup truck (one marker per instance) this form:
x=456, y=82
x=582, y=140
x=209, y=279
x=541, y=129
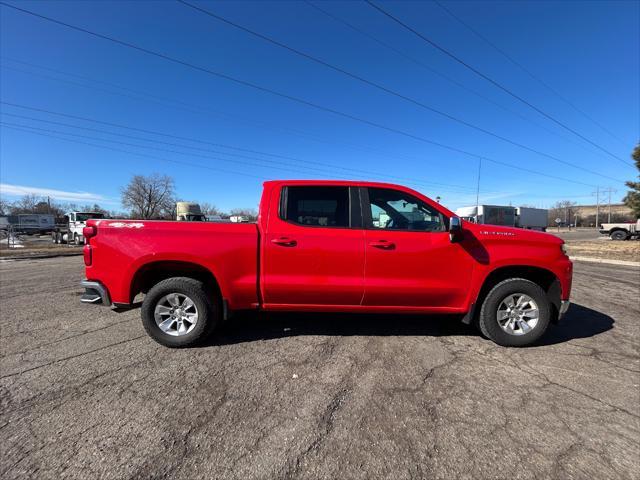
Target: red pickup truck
x=330, y=246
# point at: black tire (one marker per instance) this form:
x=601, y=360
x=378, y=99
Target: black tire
x=618, y=235
x=76, y=239
x=54, y=237
x=58, y=238
x=488, y=322
x=208, y=308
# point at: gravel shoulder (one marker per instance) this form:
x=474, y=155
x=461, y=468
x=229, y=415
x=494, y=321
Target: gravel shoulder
x=85, y=393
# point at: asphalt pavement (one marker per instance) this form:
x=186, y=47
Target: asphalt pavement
x=84, y=393
x=579, y=234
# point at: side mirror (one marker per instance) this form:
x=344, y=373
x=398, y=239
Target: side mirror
x=455, y=229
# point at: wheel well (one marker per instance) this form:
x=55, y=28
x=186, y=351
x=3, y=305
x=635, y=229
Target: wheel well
x=152, y=273
x=540, y=276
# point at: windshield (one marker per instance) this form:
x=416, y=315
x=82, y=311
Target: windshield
x=83, y=217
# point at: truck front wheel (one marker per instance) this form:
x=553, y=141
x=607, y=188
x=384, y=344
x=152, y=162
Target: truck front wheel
x=515, y=313
x=179, y=312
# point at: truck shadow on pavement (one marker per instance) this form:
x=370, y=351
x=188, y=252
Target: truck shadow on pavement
x=579, y=322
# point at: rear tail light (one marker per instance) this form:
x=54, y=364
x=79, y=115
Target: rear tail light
x=90, y=231
x=88, y=255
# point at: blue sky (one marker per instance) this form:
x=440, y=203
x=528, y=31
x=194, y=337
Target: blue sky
x=223, y=139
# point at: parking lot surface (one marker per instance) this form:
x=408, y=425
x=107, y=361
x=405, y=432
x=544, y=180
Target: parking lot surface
x=84, y=393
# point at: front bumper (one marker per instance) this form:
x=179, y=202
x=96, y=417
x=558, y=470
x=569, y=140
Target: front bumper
x=95, y=292
x=564, y=306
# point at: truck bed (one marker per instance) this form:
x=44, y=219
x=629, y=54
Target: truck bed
x=229, y=251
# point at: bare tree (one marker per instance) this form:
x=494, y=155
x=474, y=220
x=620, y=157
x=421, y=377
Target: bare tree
x=250, y=213
x=564, y=210
x=5, y=207
x=26, y=204
x=150, y=196
x=209, y=209
x=95, y=208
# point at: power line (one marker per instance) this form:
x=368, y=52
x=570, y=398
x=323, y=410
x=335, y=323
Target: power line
x=446, y=77
x=526, y=70
x=415, y=181
x=138, y=154
x=498, y=162
x=178, y=104
x=388, y=90
x=491, y=80
x=295, y=99
x=49, y=134
x=246, y=83
x=57, y=132
x=206, y=142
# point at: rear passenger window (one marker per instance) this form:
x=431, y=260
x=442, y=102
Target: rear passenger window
x=317, y=206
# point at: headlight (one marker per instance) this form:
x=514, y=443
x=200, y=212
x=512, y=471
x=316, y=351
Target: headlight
x=563, y=247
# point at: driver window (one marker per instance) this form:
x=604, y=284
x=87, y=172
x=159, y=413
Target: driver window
x=395, y=210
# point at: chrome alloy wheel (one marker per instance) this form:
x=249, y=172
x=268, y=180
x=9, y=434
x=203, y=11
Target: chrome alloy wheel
x=176, y=314
x=518, y=314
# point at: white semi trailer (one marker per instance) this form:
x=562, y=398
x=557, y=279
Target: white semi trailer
x=489, y=214
x=532, y=218
x=29, y=223
x=523, y=217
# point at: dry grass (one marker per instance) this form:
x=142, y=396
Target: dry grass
x=626, y=250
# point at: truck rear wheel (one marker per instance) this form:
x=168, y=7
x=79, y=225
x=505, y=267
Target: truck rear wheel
x=515, y=313
x=179, y=312
x=618, y=235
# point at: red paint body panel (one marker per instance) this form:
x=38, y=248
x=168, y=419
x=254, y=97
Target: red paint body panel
x=228, y=250
x=423, y=269
x=278, y=265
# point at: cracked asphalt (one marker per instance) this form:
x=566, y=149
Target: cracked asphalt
x=84, y=393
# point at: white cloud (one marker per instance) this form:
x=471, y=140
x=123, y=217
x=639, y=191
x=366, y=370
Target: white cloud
x=7, y=189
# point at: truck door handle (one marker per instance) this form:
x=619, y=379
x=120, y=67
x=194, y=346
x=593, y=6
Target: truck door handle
x=284, y=241
x=383, y=244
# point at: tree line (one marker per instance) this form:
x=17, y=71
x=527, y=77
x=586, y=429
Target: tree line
x=36, y=204
x=147, y=197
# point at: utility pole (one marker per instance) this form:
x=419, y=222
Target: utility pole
x=610, y=190
x=597, y=205
x=478, y=189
